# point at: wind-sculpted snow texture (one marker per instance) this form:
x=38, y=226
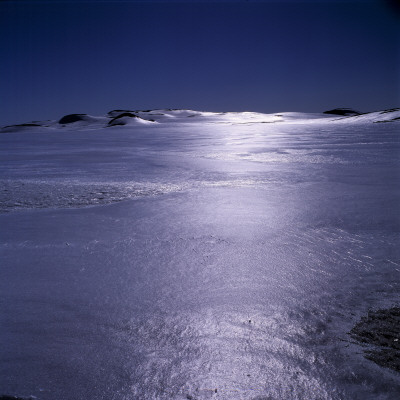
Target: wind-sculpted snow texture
x=178, y=254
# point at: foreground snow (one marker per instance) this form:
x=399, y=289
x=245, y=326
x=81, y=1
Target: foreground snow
x=198, y=255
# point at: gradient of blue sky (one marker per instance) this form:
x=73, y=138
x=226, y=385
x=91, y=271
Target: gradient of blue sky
x=62, y=57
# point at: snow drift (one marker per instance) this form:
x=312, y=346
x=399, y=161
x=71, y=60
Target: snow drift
x=131, y=118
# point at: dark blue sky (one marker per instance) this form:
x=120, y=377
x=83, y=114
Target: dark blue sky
x=61, y=57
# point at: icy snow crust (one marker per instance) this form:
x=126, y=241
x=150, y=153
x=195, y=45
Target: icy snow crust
x=198, y=255
x=68, y=188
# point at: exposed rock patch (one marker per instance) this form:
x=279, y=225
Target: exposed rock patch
x=31, y=124
x=389, y=120
x=121, y=119
x=381, y=330
x=70, y=118
x=116, y=113
x=347, y=112
x=19, y=127
x=390, y=110
x=126, y=117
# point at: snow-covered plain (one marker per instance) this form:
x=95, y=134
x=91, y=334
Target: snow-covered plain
x=177, y=254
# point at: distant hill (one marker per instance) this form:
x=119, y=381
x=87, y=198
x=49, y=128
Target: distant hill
x=124, y=119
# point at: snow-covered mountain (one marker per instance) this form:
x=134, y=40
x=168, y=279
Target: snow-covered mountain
x=131, y=118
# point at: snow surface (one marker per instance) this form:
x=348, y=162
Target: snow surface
x=122, y=118
x=197, y=255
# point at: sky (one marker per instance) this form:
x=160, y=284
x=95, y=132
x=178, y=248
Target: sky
x=61, y=57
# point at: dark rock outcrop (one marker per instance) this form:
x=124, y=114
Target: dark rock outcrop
x=347, y=112
x=115, y=121
x=21, y=125
x=388, y=120
x=115, y=113
x=390, y=110
x=19, y=128
x=381, y=330
x=70, y=118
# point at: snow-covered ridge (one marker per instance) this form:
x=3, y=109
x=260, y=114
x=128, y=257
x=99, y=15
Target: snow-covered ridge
x=132, y=118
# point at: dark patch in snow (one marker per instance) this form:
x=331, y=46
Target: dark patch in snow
x=70, y=118
x=381, y=330
x=388, y=120
x=390, y=110
x=115, y=121
x=18, y=125
x=115, y=113
x=343, y=111
x=122, y=119
x=5, y=397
